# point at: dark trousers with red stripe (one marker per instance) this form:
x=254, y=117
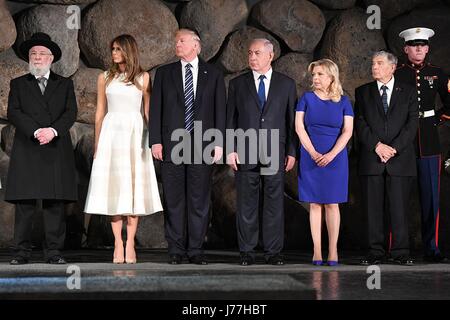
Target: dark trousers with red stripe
x=429, y=172
x=386, y=200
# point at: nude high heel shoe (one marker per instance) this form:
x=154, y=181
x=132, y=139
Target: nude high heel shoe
x=130, y=256
x=118, y=257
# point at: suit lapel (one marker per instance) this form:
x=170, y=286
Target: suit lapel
x=394, y=97
x=272, y=88
x=52, y=84
x=178, y=80
x=251, y=86
x=377, y=97
x=34, y=88
x=202, y=79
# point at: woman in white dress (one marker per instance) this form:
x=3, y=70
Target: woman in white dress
x=123, y=182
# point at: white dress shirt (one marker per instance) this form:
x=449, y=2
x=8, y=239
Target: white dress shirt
x=194, y=69
x=266, y=80
x=46, y=76
x=390, y=87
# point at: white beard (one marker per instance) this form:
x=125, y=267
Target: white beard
x=38, y=72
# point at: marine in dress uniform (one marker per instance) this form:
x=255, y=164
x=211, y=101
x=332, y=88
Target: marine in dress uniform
x=429, y=81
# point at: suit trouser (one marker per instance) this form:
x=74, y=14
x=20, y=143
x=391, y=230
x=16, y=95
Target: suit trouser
x=187, y=196
x=386, y=196
x=429, y=171
x=253, y=188
x=54, y=227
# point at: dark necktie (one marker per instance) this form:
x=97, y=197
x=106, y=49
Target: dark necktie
x=384, y=98
x=262, y=92
x=188, y=99
x=42, y=82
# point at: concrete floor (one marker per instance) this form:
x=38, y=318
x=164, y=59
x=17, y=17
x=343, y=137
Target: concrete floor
x=152, y=278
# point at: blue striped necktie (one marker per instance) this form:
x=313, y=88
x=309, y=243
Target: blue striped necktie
x=384, y=98
x=188, y=99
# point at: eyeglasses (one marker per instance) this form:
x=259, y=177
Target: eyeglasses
x=40, y=54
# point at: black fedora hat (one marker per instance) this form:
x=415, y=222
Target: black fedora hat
x=40, y=39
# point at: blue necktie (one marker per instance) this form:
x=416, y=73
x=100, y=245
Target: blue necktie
x=188, y=99
x=262, y=92
x=384, y=98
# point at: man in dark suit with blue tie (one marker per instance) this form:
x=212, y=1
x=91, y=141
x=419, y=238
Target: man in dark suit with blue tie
x=386, y=123
x=187, y=95
x=262, y=101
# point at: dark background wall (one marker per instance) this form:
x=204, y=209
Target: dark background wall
x=301, y=32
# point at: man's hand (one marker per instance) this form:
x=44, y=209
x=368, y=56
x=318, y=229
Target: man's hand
x=289, y=163
x=45, y=135
x=233, y=160
x=218, y=152
x=157, y=151
x=325, y=159
x=385, y=152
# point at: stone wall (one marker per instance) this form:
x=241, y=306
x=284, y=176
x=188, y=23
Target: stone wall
x=300, y=30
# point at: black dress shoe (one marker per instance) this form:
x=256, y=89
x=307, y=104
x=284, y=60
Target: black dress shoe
x=198, y=259
x=276, y=260
x=246, y=260
x=175, y=259
x=56, y=260
x=371, y=260
x=436, y=258
x=403, y=260
x=18, y=261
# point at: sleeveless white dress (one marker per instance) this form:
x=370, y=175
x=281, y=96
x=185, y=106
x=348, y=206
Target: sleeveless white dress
x=123, y=179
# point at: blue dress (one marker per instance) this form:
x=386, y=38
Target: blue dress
x=324, y=120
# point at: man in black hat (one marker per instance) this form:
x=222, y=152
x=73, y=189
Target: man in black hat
x=429, y=80
x=42, y=107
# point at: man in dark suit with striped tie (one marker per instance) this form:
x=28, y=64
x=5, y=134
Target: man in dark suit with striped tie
x=386, y=124
x=190, y=95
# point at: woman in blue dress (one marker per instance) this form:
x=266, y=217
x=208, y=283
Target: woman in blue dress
x=324, y=124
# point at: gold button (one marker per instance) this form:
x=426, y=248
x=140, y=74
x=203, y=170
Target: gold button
x=418, y=92
x=418, y=99
x=418, y=84
x=418, y=77
x=417, y=71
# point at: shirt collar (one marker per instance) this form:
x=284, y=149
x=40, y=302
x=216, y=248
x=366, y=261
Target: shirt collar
x=268, y=75
x=416, y=66
x=194, y=63
x=46, y=76
x=390, y=84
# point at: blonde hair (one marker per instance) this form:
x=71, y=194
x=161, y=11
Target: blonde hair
x=331, y=69
x=130, y=53
x=194, y=35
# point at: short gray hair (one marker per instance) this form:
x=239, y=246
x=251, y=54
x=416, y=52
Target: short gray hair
x=267, y=44
x=192, y=33
x=389, y=56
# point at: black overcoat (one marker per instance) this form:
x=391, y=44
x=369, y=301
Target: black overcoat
x=41, y=171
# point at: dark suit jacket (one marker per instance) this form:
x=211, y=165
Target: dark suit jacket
x=243, y=112
x=167, y=104
x=47, y=171
x=397, y=129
